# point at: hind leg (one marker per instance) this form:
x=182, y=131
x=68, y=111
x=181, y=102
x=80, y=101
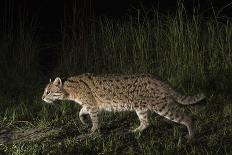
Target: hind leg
x=185, y=120
x=144, y=120
x=171, y=112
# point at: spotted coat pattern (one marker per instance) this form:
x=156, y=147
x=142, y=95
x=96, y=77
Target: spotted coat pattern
x=140, y=93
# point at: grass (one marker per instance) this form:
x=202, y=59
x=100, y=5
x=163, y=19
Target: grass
x=192, y=53
x=213, y=128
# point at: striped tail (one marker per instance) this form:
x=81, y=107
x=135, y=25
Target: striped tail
x=188, y=100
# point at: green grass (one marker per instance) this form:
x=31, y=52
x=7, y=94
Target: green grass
x=192, y=53
x=213, y=131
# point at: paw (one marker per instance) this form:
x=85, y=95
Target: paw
x=133, y=130
x=190, y=138
x=94, y=130
x=139, y=129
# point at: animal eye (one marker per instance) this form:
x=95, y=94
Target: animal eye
x=48, y=92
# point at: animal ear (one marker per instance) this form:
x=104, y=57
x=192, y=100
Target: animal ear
x=57, y=82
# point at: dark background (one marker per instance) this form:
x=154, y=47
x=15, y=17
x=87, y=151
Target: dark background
x=49, y=13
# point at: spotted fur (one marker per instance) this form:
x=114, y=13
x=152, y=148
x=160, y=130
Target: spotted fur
x=140, y=93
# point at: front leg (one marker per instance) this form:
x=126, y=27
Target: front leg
x=93, y=112
x=144, y=120
x=83, y=112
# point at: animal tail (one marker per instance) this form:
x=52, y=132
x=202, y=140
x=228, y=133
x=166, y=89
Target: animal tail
x=188, y=100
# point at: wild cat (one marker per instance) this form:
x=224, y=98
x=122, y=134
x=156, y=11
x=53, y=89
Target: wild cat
x=140, y=93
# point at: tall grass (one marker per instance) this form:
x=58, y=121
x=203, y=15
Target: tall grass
x=176, y=47
x=19, y=51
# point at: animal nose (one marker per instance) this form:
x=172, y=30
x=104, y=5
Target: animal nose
x=42, y=97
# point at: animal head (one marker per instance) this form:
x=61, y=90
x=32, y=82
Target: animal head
x=54, y=91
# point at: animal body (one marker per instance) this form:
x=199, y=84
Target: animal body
x=140, y=93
